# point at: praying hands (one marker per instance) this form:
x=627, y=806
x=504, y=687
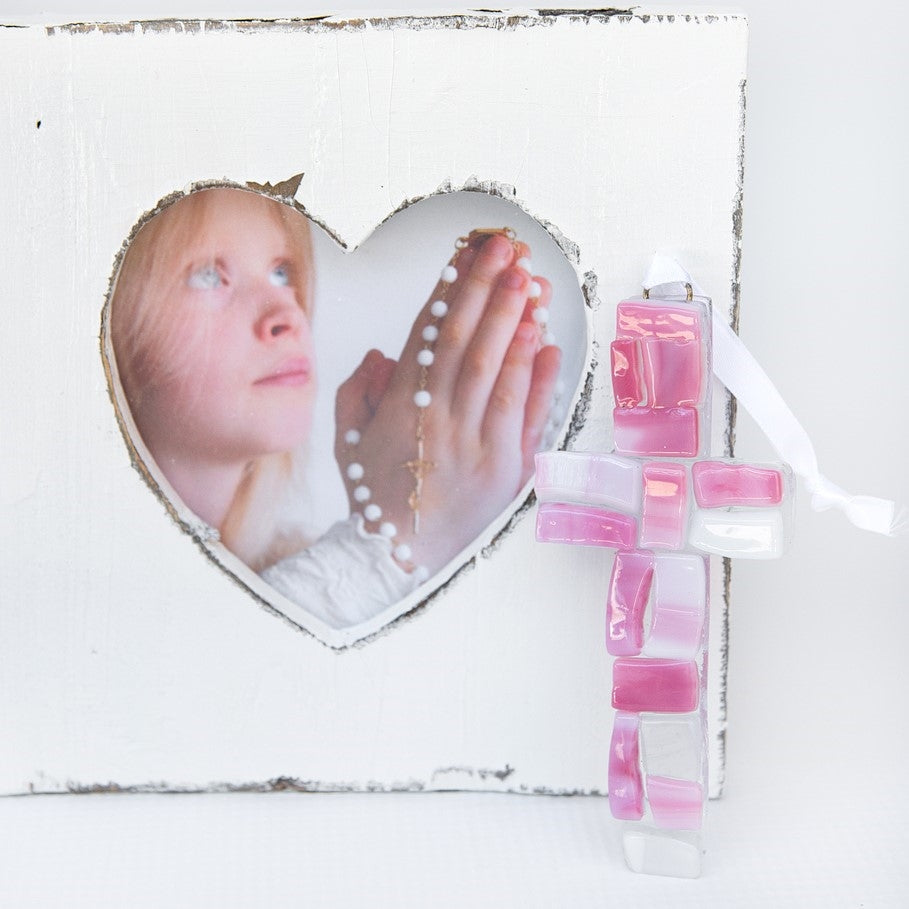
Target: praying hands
x=436, y=444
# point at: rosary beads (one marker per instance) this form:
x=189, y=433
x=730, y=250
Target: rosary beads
x=419, y=466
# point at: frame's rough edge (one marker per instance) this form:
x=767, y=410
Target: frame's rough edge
x=284, y=192
x=731, y=416
x=294, y=784
x=501, y=19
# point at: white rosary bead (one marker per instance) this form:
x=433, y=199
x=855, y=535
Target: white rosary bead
x=425, y=357
x=439, y=309
x=422, y=398
x=372, y=512
x=430, y=333
x=541, y=315
x=526, y=264
x=548, y=338
x=534, y=290
x=449, y=274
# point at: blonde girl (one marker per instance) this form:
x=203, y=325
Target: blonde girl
x=211, y=328
x=210, y=324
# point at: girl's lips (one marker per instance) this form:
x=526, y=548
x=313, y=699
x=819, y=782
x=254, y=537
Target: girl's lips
x=293, y=372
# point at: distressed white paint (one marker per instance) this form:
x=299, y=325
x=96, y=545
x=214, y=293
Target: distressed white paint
x=127, y=657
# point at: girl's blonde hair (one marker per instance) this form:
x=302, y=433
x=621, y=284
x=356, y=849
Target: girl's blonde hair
x=143, y=326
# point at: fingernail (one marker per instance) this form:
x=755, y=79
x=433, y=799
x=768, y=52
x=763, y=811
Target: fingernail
x=513, y=279
x=498, y=247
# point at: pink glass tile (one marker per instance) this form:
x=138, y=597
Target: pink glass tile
x=675, y=804
x=680, y=579
x=626, y=791
x=616, y=481
x=626, y=373
x=588, y=478
x=665, y=506
x=657, y=686
x=672, y=372
x=679, y=606
x=717, y=484
x=675, y=632
x=668, y=432
x=677, y=322
x=582, y=524
x=626, y=602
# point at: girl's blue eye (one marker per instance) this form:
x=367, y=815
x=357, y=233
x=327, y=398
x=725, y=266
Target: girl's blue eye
x=207, y=278
x=280, y=276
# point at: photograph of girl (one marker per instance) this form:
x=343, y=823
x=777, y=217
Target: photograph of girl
x=211, y=323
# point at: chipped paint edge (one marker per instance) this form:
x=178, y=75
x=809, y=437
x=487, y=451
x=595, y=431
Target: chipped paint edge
x=338, y=640
x=500, y=19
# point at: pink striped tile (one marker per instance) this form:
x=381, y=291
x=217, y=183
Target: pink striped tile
x=657, y=686
x=627, y=385
x=675, y=804
x=672, y=372
x=717, y=484
x=626, y=790
x=626, y=602
x=588, y=479
x=676, y=321
x=665, y=432
x=679, y=606
x=584, y=525
x=665, y=506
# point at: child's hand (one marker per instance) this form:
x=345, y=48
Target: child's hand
x=491, y=384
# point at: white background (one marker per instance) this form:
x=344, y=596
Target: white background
x=817, y=799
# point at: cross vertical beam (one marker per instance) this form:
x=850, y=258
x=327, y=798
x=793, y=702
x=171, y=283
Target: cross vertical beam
x=664, y=506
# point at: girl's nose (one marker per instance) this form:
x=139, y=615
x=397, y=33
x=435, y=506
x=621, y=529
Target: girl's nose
x=280, y=315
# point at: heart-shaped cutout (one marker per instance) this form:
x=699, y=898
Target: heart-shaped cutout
x=236, y=329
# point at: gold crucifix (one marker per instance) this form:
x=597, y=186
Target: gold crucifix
x=418, y=468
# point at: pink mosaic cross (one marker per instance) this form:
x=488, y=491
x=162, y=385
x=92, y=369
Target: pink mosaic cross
x=665, y=507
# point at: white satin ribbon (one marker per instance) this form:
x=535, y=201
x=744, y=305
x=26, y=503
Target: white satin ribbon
x=738, y=370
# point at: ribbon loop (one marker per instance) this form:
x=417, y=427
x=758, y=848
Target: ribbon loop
x=744, y=377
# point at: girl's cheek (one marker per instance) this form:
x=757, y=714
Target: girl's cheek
x=191, y=346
